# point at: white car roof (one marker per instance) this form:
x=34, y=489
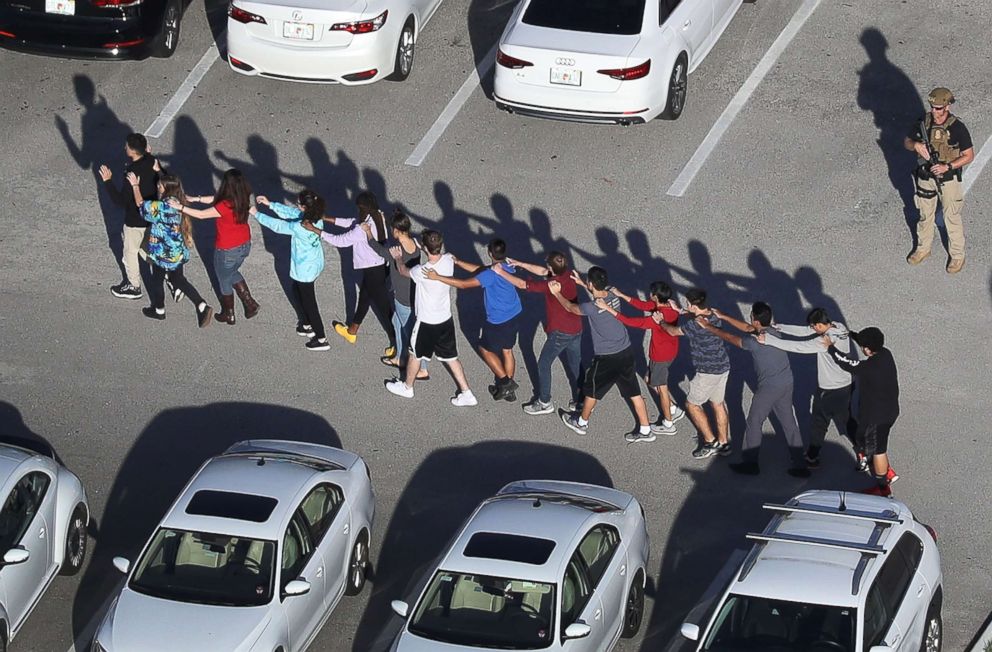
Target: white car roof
x=11, y=457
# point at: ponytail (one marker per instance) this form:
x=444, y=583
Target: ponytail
x=313, y=206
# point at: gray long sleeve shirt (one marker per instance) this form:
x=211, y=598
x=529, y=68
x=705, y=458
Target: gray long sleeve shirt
x=828, y=374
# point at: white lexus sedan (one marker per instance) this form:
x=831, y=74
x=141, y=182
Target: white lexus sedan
x=253, y=556
x=605, y=61
x=326, y=41
x=542, y=565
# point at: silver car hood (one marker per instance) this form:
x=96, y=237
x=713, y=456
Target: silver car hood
x=141, y=623
x=407, y=642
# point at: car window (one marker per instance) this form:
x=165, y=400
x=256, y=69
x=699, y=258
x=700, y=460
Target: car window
x=756, y=623
x=665, y=9
x=575, y=591
x=876, y=618
x=20, y=508
x=597, y=549
x=598, y=16
x=319, y=509
x=893, y=580
x=911, y=548
x=296, y=549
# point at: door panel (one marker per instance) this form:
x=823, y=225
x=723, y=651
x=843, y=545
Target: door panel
x=299, y=561
x=25, y=521
x=693, y=20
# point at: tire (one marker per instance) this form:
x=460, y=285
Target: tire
x=168, y=36
x=358, y=565
x=405, y=51
x=933, y=632
x=75, y=542
x=633, y=613
x=677, y=89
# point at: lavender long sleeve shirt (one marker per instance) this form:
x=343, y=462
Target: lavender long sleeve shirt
x=363, y=256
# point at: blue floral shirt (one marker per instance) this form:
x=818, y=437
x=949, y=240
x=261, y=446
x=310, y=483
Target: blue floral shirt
x=166, y=246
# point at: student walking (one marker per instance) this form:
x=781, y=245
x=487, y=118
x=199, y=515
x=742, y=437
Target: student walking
x=303, y=223
x=563, y=329
x=774, y=392
x=169, y=240
x=613, y=359
x=434, y=331
x=229, y=207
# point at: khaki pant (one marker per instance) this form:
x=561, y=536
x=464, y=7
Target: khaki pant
x=132, y=235
x=952, y=199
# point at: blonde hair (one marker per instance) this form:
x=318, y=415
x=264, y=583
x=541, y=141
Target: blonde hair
x=172, y=187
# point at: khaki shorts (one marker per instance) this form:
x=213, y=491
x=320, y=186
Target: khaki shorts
x=707, y=387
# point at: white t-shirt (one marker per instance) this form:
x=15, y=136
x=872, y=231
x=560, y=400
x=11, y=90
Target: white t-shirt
x=432, y=301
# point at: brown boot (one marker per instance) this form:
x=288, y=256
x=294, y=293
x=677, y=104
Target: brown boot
x=226, y=314
x=954, y=265
x=918, y=256
x=250, y=305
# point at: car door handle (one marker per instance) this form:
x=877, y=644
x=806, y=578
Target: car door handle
x=686, y=24
x=598, y=614
x=623, y=570
x=920, y=590
x=41, y=533
x=347, y=528
x=320, y=572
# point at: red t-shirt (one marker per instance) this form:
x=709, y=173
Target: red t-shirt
x=230, y=234
x=663, y=347
x=558, y=319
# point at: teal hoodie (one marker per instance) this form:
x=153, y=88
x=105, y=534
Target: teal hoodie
x=306, y=252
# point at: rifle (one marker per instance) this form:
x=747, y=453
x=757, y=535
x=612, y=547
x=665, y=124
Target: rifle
x=925, y=172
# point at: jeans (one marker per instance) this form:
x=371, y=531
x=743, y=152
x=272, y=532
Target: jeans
x=227, y=262
x=557, y=342
x=157, y=294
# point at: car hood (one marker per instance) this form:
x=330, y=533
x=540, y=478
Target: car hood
x=407, y=642
x=140, y=623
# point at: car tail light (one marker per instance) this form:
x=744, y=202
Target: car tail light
x=505, y=60
x=361, y=76
x=115, y=4
x=362, y=26
x=7, y=34
x=932, y=531
x=123, y=44
x=238, y=63
x=242, y=16
x=627, y=74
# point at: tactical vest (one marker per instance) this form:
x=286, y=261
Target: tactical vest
x=940, y=138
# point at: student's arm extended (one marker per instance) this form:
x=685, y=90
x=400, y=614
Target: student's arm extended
x=730, y=338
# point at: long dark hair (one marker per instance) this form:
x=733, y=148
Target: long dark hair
x=172, y=188
x=313, y=206
x=368, y=205
x=235, y=190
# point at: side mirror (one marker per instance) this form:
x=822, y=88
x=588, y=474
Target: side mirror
x=16, y=556
x=297, y=587
x=577, y=630
x=400, y=608
x=690, y=631
x=123, y=565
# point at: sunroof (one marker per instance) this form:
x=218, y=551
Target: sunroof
x=227, y=504
x=509, y=547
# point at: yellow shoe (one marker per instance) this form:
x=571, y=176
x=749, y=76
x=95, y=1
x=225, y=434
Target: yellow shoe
x=918, y=256
x=342, y=330
x=389, y=352
x=954, y=265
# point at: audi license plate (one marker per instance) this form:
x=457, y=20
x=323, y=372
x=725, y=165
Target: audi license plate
x=566, y=76
x=299, y=31
x=64, y=7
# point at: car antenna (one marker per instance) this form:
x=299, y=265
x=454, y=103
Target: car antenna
x=536, y=503
x=843, y=504
x=260, y=462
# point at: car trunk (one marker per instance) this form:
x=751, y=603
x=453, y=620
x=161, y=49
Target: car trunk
x=304, y=23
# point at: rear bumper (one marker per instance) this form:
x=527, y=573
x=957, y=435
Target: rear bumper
x=553, y=113
x=95, y=41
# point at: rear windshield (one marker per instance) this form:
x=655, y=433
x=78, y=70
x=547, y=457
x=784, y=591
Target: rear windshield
x=600, y=16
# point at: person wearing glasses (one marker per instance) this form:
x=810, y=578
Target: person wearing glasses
x=951, y=142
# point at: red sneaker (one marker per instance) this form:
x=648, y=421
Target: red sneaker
x=878, y=491
x=891, y=475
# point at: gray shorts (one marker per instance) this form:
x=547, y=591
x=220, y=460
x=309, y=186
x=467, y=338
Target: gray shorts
x=707, y=387
x=658, y=373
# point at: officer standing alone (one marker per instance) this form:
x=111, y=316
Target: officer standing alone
x=950, y=141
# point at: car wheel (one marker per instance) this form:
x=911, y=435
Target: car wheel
x=168, y=36
x=405, y=49
x=934, y=633
x=75, y=542
x=677, y=88
x=358, y=565
x=633, y=612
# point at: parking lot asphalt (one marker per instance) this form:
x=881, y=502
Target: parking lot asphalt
x=803, y=202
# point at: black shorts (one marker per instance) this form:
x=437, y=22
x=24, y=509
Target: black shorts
x=873, y=438
x=605, y=371
x=499, y=337
x=429, y=340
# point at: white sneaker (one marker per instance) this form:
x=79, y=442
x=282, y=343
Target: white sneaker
x=663, y=427
x=462, y=399
x=677, y=413
x=399, y=388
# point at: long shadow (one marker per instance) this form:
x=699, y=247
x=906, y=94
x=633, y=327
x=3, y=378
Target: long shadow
x=159, y=464
x=102, y=143
x=441, y=494
x=712, y=523
x=890, y=95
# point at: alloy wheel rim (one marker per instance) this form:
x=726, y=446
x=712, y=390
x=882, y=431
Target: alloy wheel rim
x=77, y=542
x=633, y=613
x=933, y=636
x=406, y=51
x=678, y=87
x=171, y=26
x=358, y=565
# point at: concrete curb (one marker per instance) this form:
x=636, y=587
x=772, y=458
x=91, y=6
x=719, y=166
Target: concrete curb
x=984, y=638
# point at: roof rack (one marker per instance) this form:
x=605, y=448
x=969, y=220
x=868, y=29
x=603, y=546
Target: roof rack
x=888, y=516
x=863, y=548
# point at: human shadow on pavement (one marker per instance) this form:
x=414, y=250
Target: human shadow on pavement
x=15, y=432
x=719, y=510
x=440, y=495
x=159, y=464
x=892, y=97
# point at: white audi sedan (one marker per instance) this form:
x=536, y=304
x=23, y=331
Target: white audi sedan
x=326, y=41
x=605, y=61
x=252, y=557
x=543, y=565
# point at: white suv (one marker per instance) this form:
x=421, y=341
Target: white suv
x=832, y=572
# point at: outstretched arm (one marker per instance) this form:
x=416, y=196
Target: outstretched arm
x=570, y=306
x=722, y=334
x=845, y=362
x=518, y=283
x=471, y=268
x=460, y=283
x=537, y=270
x=744, y=327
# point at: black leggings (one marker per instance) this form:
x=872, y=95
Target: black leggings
x=374, y=290
x=178, y=280
x=306, y=308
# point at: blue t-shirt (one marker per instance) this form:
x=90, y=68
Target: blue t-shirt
x=502, y=300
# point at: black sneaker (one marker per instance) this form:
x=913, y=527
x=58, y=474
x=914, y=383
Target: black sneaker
x=705, y=450
x=723, y=450
x=505, y=391
x=862, y=463
x=203, y=316
x=304, y=330
x=745, y=468
x=126, y=291
x=151, y=313
x=315, y=344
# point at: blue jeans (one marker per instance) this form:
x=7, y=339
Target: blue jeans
x=226, y=265
x=553, y=347
x=403, y=321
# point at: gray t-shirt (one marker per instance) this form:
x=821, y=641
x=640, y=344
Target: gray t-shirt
x=770, y=364
x=608, y=334
x=709, y=355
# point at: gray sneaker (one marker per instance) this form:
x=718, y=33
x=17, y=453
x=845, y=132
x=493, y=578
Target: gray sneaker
x=677, y=413
x=705, y=450
x=536, y=407
x=663, y=428
x=637, y=436
x=571, y=420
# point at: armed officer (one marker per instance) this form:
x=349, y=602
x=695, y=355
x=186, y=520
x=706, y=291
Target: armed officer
x=943, y=144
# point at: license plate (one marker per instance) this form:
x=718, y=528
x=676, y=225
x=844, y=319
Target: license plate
x=64, y=7
x=566, y=76
x=300, y=31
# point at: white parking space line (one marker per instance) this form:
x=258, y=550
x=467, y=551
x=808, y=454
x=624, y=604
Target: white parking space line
x=194, y=77
x=85, y=638
x=433, y=134
x=737, y=103
x=975, y=169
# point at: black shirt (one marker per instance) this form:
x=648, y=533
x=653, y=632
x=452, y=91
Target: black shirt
x=144, y=168
x=878, y=381
x=958, y=135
